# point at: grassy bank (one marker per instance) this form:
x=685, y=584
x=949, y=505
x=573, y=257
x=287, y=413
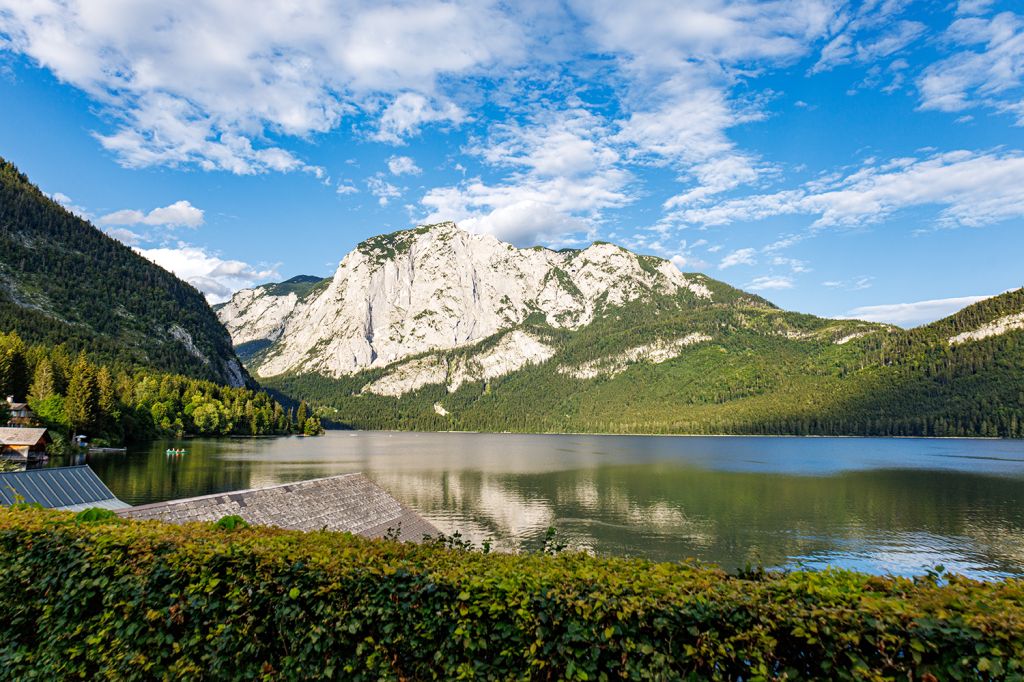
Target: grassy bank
x=129, y=600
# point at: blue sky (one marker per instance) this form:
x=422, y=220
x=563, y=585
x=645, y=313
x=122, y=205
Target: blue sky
x=838, y=158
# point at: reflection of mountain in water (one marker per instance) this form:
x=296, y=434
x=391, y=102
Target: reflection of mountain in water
x=889, y=520
x=730, y=501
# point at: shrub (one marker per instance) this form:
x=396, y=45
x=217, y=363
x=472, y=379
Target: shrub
x=140, y=600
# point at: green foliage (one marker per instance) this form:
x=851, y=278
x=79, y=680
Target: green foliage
x=81, y=405
x=94, y=515
x=129, y=600
x=64, y=281
x=116, y=406
x=765, y=371
x=232, y=522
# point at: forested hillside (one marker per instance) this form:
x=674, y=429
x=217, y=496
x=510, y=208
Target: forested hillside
x=62, y=281
x=73, y=394
x=749, y=369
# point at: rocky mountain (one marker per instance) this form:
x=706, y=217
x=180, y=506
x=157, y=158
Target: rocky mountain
x=438, y=288
x=436, y=328
x=64, y=281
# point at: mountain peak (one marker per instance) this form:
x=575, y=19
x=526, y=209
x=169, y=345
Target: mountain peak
x=437, y=287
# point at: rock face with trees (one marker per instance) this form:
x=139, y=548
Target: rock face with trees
x=435, y=328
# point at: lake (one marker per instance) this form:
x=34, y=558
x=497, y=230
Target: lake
x=879, y=505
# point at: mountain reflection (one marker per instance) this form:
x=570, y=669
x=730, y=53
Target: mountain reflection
x=896, y=506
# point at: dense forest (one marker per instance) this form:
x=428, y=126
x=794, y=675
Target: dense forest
x=71, y=394
x=765, y=371
x=62, y=281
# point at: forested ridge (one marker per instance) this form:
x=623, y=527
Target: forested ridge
x=764, y=371
x=62, y=281
x=113, y=404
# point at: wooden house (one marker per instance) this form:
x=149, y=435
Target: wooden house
x=20, y=414
x=23, y=443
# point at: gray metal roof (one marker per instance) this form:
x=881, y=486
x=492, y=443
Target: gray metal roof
x=349, y=502
x=69, y=488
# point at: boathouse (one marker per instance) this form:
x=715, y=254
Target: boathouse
x=349, y=502
x=22, y=442
x=67, y=488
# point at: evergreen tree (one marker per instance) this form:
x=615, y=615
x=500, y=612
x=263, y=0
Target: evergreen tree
x=300, y=417
x=44, y=383
x=13, y=367
x=107, y=402
x=82, y=401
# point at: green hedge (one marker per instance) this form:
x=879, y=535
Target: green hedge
x=99, y=598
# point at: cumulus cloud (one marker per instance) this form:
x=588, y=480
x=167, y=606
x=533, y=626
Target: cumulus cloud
x=403, y=165
x=971, y=189
x=912, y=314
x=562, y=173
x=216, y=277
x=738, y=257
x=179, y=214
x=208, y=82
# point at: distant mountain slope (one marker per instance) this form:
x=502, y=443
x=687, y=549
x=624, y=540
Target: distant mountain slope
x=435, y=328
x=64, y=281
x=711, y=371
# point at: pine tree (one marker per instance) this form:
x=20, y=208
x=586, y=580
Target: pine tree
x=44, y=383
x=107, y=402
x=13, y=366
x=82, y=401
x=300, y=417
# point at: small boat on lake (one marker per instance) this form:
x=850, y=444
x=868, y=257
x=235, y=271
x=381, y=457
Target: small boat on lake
x=176, y=451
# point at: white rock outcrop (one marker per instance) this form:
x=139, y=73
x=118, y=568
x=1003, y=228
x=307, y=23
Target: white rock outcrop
x=439, y=288
x=513, y=351
x=654, y=353
x=996, y=327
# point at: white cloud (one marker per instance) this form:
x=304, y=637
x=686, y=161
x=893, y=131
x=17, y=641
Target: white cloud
x=562, y=173
x=69, y=204
x=794, y=264
x=973, y=6
x=738, y=257
x=989, y=71
x=409, y=112
x=125, y=236
x=211, y=274
x=205, y=82
x=770, y=283
x=399, y=165
x=972, y=189
x=679, y=71
x=382, y=189
x=912, y=314
x=179, y=214
x=346, y=188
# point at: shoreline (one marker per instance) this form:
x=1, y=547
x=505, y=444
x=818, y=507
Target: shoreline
x=674, y=435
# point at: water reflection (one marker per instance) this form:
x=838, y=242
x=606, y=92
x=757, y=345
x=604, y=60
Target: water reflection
x=880, y=505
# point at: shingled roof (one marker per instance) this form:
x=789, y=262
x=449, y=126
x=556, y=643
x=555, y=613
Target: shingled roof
x=20, y=436
x=349, y=502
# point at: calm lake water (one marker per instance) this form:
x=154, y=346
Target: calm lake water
x=879, y=505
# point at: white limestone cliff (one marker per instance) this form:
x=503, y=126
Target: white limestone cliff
x=1002, y=325
x=437, y=288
